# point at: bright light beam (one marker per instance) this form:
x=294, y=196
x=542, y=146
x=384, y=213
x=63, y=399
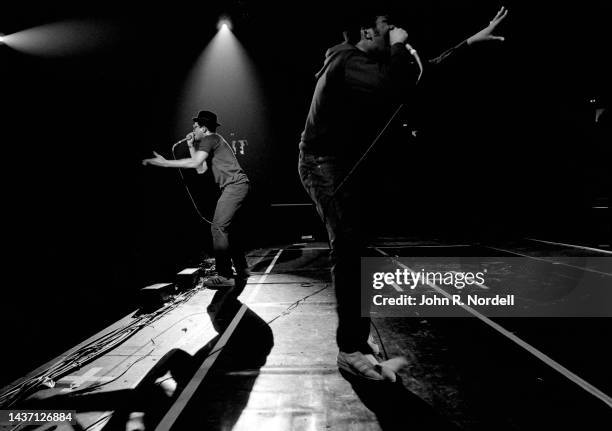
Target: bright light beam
x=224, y=24
x=60, y=39
x=224, y=80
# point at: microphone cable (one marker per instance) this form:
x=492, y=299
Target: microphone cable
x=366, y=152
x=195, y=206
x=414, y=53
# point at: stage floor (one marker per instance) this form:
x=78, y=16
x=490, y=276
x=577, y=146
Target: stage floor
x=265, y=358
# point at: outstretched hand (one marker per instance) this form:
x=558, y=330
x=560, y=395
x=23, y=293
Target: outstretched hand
x=486, y=34
x=154, y=160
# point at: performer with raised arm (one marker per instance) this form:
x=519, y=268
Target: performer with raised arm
x=360, y=83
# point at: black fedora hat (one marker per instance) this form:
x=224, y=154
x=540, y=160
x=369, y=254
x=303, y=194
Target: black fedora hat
x=208, y=118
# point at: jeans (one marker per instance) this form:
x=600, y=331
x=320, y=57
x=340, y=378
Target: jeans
x=226, y=244
x=320, y=175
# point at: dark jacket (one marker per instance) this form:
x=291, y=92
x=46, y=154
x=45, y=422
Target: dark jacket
x=355, y=95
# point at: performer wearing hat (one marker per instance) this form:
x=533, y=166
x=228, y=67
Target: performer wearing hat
x=209, y=149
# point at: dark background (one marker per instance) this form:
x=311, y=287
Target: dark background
x=506, y=147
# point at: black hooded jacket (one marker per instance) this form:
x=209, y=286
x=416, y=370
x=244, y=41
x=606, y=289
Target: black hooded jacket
x=355, y=95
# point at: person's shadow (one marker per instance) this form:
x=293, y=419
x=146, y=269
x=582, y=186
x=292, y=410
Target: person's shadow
x=395, y=407
x=219, y=400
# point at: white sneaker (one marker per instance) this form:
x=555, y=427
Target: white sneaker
x=368, y=367
x=359, y=365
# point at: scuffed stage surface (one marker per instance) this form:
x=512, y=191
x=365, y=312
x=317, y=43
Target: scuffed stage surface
x=264, y=358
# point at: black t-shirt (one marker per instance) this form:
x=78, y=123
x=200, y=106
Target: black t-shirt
x=222, y=160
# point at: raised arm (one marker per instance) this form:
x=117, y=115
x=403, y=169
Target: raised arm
x=484, y=35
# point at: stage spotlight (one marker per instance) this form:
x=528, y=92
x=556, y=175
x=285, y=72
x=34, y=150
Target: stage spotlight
x=224, y=80
x=61, y=39
x=224, y=23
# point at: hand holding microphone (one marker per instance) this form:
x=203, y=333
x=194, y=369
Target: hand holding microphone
x=189, y=139
x=397, y=35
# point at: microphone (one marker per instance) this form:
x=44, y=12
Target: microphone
x=185, y=139
x=415, y=54
x=410, y=49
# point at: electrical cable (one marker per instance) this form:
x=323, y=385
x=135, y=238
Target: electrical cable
x=376, y=139
x=108, y=416
x=87, y=353
x=294, y=305
x=54, y=373
x=386, y=356
x=195, y=206
x=95, y=386
x=107, y=342
x=286, y=312
x=367, y=151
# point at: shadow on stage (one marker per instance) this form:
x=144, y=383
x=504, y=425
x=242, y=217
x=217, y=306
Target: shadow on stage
x=218, y=401
x=395, y=407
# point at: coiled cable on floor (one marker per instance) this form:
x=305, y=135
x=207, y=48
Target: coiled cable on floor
x=86, y=354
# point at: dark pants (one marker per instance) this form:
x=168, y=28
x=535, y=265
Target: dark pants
x=226, y=244
x=320, y=176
